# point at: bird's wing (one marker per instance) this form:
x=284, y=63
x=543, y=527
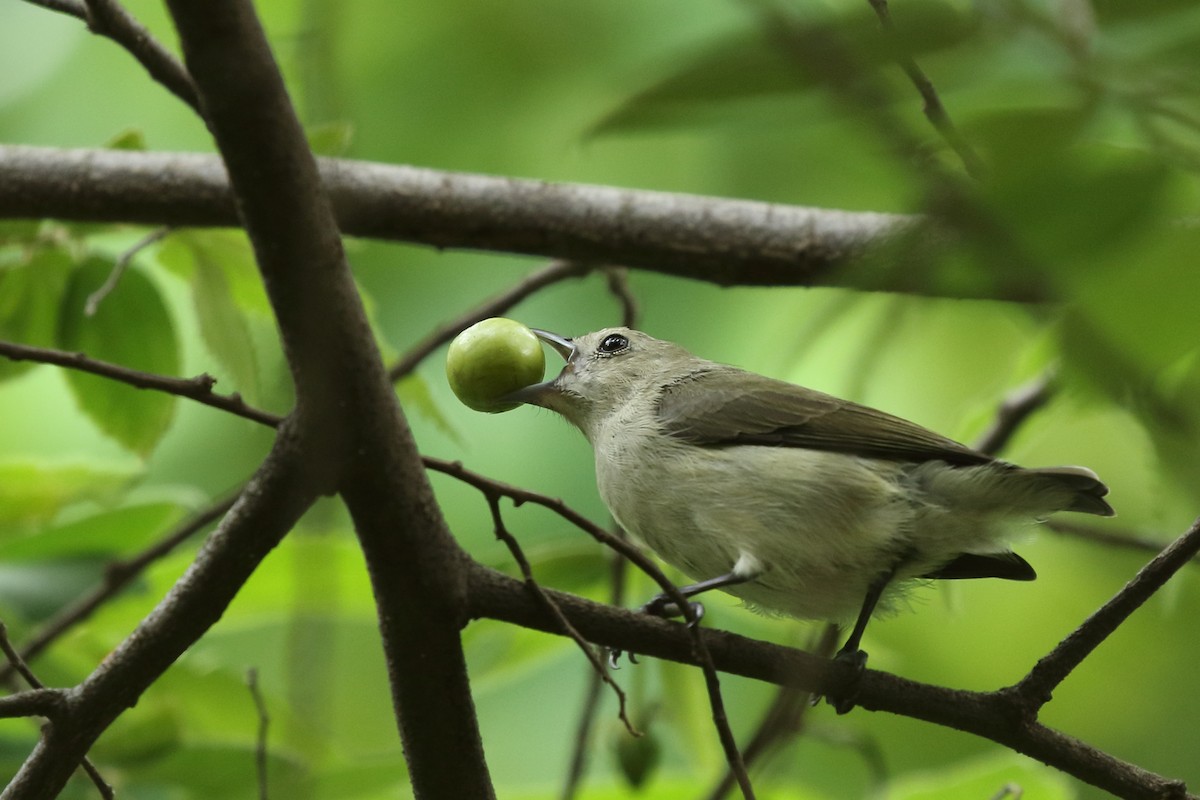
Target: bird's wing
x=724, y=405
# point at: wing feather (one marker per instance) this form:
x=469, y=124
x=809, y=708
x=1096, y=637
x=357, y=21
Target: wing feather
x=724, y=405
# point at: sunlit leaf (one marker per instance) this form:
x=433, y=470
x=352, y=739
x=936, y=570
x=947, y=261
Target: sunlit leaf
x=133, y=328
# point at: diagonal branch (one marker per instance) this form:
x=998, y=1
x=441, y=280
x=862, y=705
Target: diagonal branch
x=1036, y=687
x=369, y=457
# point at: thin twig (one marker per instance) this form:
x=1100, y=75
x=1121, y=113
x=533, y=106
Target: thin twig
x=264, y=724
x=107, y=18
x=514, y=547
x=18, y=664
x=1036, y=687
x=1014, y=411
x=122, y=263
x=552, y=273
x=199, y=388
x=48, y=703
x=618, y=285
x=1124, y=539
x=587, y=716
x=784, y=717
x=934, y=111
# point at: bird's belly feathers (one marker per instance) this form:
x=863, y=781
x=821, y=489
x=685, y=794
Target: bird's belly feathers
x=823, y=525
x=701, y=509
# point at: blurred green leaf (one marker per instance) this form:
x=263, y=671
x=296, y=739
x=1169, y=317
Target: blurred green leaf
x=32, y=492
x=413, y=391
x=140, y=736
x=227, y=250
x=637, y=757
x=330, y=138
x=105, y=534
x=35, y=590
x=983, y=778
x=224, y=328
x=30, y=294
x=747, y=64
x=133, y=328
x=128, y=139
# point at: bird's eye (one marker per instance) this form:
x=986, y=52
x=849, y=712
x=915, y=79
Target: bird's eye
x=613, y=343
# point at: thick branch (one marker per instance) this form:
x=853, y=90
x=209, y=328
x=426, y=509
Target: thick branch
x=344, y=400
x=992, y=715
x=724, y=241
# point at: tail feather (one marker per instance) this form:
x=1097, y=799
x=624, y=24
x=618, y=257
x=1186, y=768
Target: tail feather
x=1087, y=490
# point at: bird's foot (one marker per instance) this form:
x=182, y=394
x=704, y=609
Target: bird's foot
x=663, y=606
x=845, y=700
x=659, y=606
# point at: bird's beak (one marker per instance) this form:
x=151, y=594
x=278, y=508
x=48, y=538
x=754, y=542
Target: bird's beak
x=561, y=346
x=535, y=393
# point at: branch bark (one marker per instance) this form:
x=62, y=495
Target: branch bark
x=727, y=242
x=997, y=716
x=344, y=401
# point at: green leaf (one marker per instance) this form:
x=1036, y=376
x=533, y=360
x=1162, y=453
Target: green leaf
x=30, y=294
x=330, y=138
x=105, y=534
x=228, y=250
x=414, y=393
x=984, y=777
x=128, y=139
x=33, y=492
x=224, y=328
x=133, y=328
x=751, y=64
x=38, y=589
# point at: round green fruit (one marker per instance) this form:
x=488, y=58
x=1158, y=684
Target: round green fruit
x=492, y=358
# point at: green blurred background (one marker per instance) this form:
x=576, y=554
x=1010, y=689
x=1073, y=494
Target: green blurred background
x=1088, y=117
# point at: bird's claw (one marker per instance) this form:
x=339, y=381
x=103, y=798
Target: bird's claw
x=614, y=657
x=664, y=606
x=659, y=606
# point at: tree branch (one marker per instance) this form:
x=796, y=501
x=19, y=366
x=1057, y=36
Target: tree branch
x=417, y=569
x=991, y=715
x=198, y=388
x=1037, y=687
x=727, y=242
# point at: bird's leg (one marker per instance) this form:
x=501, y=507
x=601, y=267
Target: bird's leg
x=850, y=652
x=747, y=568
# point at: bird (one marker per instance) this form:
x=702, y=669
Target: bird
x=795, y=501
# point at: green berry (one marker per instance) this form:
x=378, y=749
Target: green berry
x=492, y=358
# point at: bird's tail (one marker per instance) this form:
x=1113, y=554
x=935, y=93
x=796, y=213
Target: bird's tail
x=1086, y=489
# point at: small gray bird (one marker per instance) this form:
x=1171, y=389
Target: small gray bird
x=790, y=499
